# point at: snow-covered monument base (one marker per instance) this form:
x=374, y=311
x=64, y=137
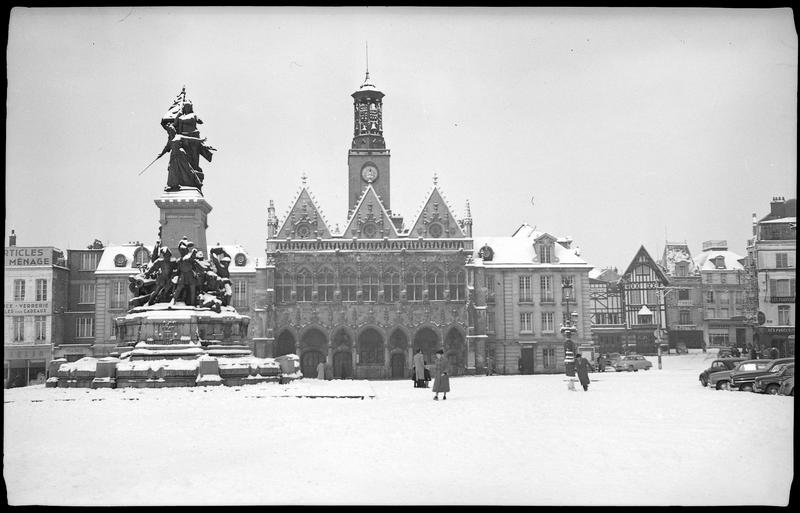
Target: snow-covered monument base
x=166, y=345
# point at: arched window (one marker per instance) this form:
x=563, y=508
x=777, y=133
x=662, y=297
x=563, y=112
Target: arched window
x=370, y=286
x=414, y=285
x=435, y=285
x=326, y=285
x=370, y=348
x=283, y=287
x=348, y=286
x=458, y=285
x=304, y=285
x=391, y=286
x=141, y=257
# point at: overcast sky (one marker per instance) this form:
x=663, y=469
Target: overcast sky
x=619, y=127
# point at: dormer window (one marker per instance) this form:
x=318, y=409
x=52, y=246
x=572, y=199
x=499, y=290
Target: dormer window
x=141, y=257
x=719, y=262
x=545, y=253
x=682, y=269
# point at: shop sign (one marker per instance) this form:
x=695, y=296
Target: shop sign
x=23, y=257
x=789, y=330
x=31, y=308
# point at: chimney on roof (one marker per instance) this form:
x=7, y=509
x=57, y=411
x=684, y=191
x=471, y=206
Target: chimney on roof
x=755, y=224
x=777, y=207
x=12, y=239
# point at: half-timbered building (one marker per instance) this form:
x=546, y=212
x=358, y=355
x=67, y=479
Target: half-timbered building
x=606, y=310
x=644, y=286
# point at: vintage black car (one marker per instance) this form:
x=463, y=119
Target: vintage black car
x=720, y=364
x=743, y=379
x=771, y=383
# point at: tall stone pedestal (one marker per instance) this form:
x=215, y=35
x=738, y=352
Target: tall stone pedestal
x=184, y=213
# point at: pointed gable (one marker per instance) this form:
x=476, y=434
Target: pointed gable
x=304, y=220
x=643, y=258
x=369, y=220
x=435, y=220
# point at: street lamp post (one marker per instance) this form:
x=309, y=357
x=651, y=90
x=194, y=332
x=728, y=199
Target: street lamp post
x=568, y=329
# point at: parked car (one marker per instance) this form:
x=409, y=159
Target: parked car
x=680, y=348
x=722, y=380
x=771, y=383
x=718, y=365
x=743, y=379
x=724, y=352
x=632, y=362
x=787, y=387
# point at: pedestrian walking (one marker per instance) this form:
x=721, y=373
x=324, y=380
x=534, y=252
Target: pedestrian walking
x=753, y=353
x=582, y=368
x=321, y=370
x=419, y=369
x=773, y=352
x=489, y=365
x=441, y=380
x=601, y=363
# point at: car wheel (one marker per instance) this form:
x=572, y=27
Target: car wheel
x=704, y=382
x=772, y=390
x=746, y=388
x=647, y=368
x=635, y=369
x=723, y=385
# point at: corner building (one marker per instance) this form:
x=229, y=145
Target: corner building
x=364, y=298
x=34, y=302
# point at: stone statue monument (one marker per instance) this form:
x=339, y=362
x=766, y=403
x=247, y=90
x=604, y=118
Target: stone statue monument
x=184, y=145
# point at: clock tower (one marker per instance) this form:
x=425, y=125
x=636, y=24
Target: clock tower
x=368, y=158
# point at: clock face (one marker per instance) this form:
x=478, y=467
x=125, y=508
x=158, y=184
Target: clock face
x=369, y=173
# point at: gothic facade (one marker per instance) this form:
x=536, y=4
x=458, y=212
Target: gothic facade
x=364, y=298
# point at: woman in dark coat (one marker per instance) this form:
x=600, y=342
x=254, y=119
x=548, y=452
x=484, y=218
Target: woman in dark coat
x=582, y=368
x=441, y=380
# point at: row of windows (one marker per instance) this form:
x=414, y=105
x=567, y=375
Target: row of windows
x=547, y=325
x=40, y=289
x=724, y=297
x=545, y=288
x=370, y=284
x=39, y=328
x=724, y=277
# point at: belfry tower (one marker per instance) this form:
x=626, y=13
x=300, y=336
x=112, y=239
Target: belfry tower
x=368, y=158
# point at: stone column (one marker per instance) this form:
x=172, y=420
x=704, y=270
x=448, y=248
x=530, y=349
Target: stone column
x=184, y=213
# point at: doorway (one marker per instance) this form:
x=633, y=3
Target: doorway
x=343, y=365
x=527, y=360
x=309, y=362
x=398, y=366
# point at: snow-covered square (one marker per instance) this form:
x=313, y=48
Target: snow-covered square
x=644, y=438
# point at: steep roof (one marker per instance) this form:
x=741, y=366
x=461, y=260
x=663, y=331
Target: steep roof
x=369, y=220
x=657, y=268
x=675, y=253
x=436, y=211
x=306, y=215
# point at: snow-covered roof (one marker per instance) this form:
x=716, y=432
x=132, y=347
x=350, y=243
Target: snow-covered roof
x=705, y=261
x=233, y=250
x=519, y=250
x=781, y=220
x=107, y=265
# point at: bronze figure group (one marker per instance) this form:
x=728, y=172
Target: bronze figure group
x=189, y=279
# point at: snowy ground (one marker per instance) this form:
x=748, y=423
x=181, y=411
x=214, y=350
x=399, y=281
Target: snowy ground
x=645, y=438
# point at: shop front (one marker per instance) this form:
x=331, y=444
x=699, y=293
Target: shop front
x=25, y=365
x=779, y=337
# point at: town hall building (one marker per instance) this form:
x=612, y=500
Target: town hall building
x=364, y=298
